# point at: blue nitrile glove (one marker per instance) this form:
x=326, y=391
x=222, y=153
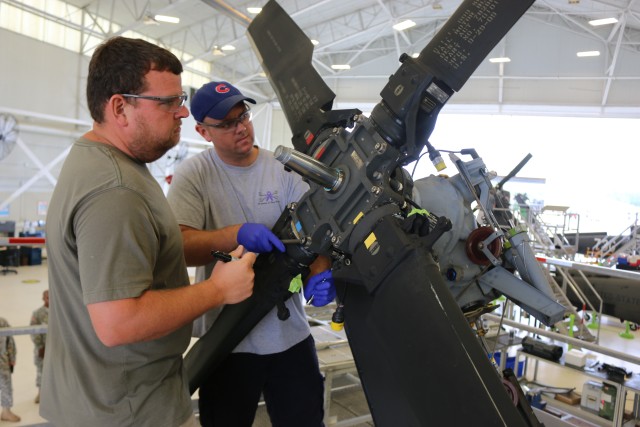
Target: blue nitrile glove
x=258, y=238
x=320, y=290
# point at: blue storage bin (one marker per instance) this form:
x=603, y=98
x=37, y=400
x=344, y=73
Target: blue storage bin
x=511, y=362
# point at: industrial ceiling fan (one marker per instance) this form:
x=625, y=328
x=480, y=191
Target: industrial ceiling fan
x=8, y=134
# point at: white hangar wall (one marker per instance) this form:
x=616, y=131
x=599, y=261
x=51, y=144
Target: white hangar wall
x=44, y=87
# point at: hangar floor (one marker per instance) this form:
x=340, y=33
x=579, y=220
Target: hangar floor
x=21, y=293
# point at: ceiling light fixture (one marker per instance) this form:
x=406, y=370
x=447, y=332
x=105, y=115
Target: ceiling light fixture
x=605, y=21
x=167, y=19
x=315, y=42
x=149, y=20
x=499, y=60
x=254, y=10
x=228, y=47
x=341, y=66
x=587, y=53
x=404, y=25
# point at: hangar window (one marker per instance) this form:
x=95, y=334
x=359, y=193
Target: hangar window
x=58, y=23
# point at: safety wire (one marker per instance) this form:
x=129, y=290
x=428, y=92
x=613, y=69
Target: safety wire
x=474, y=280
x=495, y=343
x=415, y=165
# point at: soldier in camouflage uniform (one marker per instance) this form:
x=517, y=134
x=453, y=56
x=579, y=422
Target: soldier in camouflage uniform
x=7, y=362
x=40, y=317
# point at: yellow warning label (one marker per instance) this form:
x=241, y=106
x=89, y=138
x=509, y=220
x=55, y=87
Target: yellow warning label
x=358, y=217
x=370, y=240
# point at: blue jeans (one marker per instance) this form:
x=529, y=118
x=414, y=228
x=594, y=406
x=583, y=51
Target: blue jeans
x=290, y=382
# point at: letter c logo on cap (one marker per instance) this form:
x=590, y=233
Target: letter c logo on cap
x=222, y=88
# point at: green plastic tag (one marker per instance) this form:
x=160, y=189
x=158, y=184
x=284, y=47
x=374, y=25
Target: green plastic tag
x=418, y=211
x=296, y=284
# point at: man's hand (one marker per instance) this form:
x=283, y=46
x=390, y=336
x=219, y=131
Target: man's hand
x=156, y=313
x=258, y=238
x=234, y=279
x=320, y=290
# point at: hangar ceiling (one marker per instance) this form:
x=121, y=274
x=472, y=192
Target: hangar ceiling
x=544, y=75
x=544, y=69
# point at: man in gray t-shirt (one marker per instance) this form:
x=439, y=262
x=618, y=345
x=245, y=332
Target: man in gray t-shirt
x=230, y=194
x=121, y=308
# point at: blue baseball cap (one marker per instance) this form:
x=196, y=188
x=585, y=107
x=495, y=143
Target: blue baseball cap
x=215, y=100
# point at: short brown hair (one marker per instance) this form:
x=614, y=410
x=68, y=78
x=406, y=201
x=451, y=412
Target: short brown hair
x=119, y=65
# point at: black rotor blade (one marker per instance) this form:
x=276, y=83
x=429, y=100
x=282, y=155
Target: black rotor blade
x=414, y=349
x=237, y=320
x=285, y=54
x=466, y=39
x=416, y=354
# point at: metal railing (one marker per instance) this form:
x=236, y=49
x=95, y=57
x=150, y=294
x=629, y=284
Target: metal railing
x=23, y=330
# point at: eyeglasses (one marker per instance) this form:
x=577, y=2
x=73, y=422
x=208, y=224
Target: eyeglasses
x=231, y=124
x=173, y=103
